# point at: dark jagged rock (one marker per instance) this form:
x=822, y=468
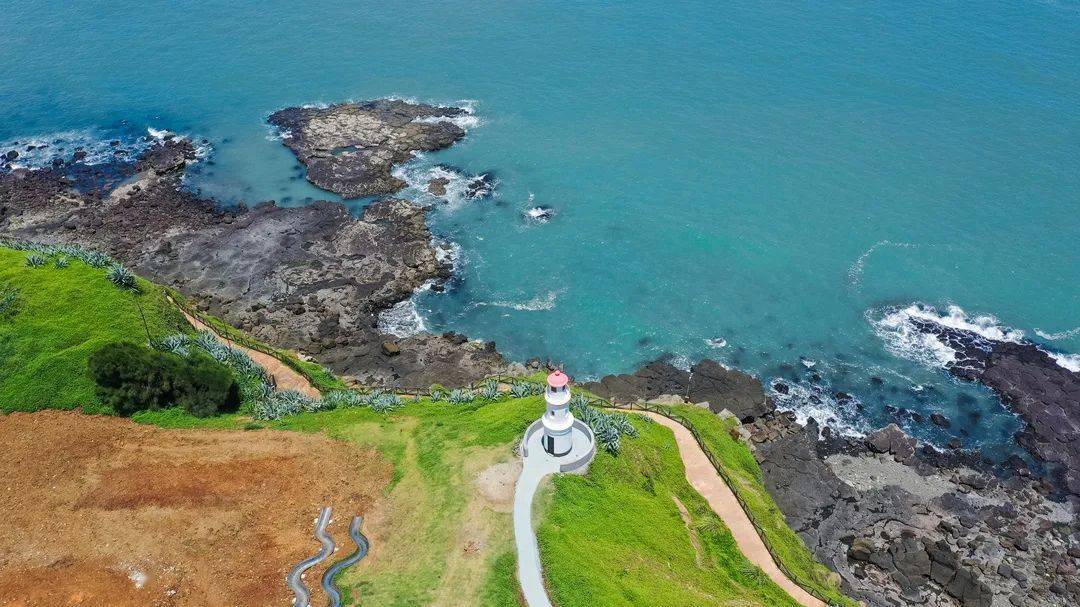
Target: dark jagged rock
x=901, y=530
x=730, y=389
x=941, y=420
x=312, y=278
x=1045, y=394
x=351, y=148
x=707, y=381
x=892, y=440
x=166, y=156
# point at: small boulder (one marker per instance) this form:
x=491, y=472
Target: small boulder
x=940, y=420
x=390, y=348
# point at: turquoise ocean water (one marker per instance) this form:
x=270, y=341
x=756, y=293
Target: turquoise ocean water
x=769, y=184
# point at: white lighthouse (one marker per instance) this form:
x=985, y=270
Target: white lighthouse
x=558, y=420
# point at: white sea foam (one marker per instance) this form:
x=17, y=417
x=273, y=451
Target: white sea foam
x=902, y=338
x=814, y=401
x=539, y=303
x=1068, y=361
x=448, y=252
x=1059, y=335
x=856, y=270
x=403, y=319
x=716, y=342
x=468, y=120
x=417, y=175
x=96, y=144
x=158, y=134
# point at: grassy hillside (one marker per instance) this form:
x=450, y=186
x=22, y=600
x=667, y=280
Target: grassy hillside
x=437, y=539
x=62, y=315
x=634, y=532
x=740, y=466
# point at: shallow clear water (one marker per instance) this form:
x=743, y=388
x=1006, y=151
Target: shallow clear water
x=768, y=174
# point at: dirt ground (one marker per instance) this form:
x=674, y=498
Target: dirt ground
x=100, y=511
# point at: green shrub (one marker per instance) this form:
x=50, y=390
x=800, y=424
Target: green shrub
x=132, y=378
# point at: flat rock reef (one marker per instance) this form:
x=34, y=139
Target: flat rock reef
x=313, y=278
x=351, y=148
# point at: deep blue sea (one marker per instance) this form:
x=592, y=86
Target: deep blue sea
x=777, y=185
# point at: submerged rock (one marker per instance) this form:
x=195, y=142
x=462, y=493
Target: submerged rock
x=351, y=148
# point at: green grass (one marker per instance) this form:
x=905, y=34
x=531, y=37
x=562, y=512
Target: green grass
x=748, y=482
x=617, y=536
x=432, y=508
x=64, y=315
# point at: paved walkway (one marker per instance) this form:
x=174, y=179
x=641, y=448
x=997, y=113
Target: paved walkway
x=285, y=378
x=708, y=482
x=534, y=468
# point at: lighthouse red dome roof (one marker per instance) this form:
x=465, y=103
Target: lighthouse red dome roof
x=558, y=379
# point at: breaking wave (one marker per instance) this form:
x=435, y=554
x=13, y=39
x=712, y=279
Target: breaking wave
x=403, y=319
x=430, y=184
x=94, y=146
x=903, y=338
x=813, y=400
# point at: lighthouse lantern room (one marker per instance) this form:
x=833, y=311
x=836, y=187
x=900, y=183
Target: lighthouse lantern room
x=558, y=420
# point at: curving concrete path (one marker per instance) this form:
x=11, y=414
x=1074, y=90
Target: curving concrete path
x=361, y=551
x=708, y=482
x=535, y=466
x=295, y=577
x=285, y=378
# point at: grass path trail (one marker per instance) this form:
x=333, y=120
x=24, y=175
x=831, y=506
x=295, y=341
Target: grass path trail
x=707, y=481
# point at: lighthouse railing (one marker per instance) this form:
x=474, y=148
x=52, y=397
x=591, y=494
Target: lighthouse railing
x=533, y=429
x=584, y=459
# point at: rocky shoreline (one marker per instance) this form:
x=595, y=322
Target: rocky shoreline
x=902, y=523
x=312, y=278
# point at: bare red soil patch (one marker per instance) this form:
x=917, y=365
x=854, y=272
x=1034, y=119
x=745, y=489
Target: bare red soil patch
x=102, y=511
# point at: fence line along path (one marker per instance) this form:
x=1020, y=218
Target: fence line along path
x=703, y=477
x=285, y=378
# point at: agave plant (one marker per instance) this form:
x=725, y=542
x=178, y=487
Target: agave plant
x=438, y=395
x=579, y=400
x=461, y=396
x=340, y=399
x=35, y=260
x=121, y=276
x=521, y=389
x=62, y=261
x=97, y=259
x=490, y=390
x=177, y=344
x=9, y=301
x=386, y=402
x=276, y=406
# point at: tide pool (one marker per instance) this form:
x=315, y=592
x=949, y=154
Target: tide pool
x=768, y=184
